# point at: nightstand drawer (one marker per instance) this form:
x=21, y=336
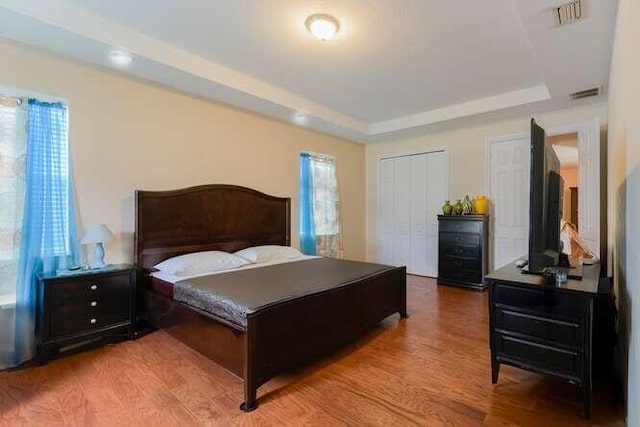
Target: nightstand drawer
x=542, y=357
x=95, y=288
x=567, y=333
x=460, y=239
x=73, y=321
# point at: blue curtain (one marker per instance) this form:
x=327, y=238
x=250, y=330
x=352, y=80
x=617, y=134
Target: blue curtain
x=307, y=228
x=48, y=239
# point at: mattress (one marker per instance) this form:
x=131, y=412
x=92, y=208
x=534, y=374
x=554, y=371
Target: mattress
x=234, y=294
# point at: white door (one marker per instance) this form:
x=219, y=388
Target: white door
x=419, y=215
x=402, y=212
x=509, y=164
x=589, y=186
x=412, y=189
x=437, y=193
x=386, y=212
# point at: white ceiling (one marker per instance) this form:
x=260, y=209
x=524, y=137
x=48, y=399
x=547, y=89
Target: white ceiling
x=396, y=65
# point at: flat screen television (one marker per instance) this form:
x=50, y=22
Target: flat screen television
x=545, y=203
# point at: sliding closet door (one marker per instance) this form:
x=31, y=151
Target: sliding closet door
x=402, y=212
x=412, y=189
x=437, y=193
x=386, y=223
x=417, y=262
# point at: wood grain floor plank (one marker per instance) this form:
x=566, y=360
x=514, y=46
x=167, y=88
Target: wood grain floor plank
x=430, y=369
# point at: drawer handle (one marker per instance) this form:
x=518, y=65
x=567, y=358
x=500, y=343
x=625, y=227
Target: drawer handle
x=92, y=321
x=93, y=287
x=94, y=304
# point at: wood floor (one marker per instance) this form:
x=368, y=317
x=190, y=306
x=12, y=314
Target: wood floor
x=430, y=369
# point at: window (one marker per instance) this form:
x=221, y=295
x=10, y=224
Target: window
x=37, y=223
x=319, y=208
x=13, y=151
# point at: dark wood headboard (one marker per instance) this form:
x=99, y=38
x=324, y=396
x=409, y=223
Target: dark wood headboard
x=208, y=217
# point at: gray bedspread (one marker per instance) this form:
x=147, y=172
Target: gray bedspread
x=234, y=294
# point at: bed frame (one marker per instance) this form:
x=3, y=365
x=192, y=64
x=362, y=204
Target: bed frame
x=277, y=339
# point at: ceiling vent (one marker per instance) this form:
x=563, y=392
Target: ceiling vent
x=568, y=13
x=587, y=93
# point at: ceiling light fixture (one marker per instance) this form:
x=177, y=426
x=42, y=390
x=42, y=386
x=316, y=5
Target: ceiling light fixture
x=120, y=58
x=300, y=118
x=323, y=27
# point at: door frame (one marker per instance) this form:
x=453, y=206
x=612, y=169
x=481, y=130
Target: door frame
x=582, y=129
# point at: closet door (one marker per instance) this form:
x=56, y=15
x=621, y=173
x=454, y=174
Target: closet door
x=402, y=212
x=437, y=190
x=386, y=211
x=418, y=262
x=412, y=190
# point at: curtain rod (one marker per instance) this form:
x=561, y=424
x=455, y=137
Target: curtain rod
x=9, y=101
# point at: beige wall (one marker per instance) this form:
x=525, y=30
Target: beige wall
x=570, y=178
x=467, y=150
x=128, y=135
x=624, y=146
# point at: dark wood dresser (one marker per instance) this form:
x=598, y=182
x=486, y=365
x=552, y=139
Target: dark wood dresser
x=84, y=309
x=462, y=250
x=541, y=326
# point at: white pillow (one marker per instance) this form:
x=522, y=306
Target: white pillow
x=268, y=253
x=201, y=263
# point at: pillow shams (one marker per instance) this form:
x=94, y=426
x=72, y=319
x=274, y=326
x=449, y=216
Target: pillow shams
x=268, y=253
x=201, y=263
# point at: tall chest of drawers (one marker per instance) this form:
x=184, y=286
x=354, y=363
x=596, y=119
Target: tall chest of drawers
x=84, y=309
x=463, y=250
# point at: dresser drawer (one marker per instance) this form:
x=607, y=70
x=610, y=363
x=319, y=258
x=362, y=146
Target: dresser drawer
x=546, y=358
x=547, y=302
x=460, y=238
x=567, y=333
x=461, y=226
x=82, y=291
x=447, y=250
x=455, y=263
x=460, y=275
x=71, y=320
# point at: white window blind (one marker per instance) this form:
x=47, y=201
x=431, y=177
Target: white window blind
x=12, y=186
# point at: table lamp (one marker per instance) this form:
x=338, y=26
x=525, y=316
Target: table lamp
x=98, y=234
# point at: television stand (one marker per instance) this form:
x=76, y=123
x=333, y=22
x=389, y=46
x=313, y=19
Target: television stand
x=544, y=328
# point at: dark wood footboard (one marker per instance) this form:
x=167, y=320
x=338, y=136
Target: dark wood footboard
x=285, y=336
x=291, y=334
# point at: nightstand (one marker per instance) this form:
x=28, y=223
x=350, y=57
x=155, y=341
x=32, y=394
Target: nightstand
x=78, y=310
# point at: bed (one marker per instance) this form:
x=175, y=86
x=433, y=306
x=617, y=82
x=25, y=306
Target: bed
x=275, y=337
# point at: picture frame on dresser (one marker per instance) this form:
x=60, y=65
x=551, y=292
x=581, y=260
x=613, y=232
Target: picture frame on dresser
x=85, y=309
x=463, y=246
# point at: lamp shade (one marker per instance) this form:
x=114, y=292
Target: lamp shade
x=97, y=233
